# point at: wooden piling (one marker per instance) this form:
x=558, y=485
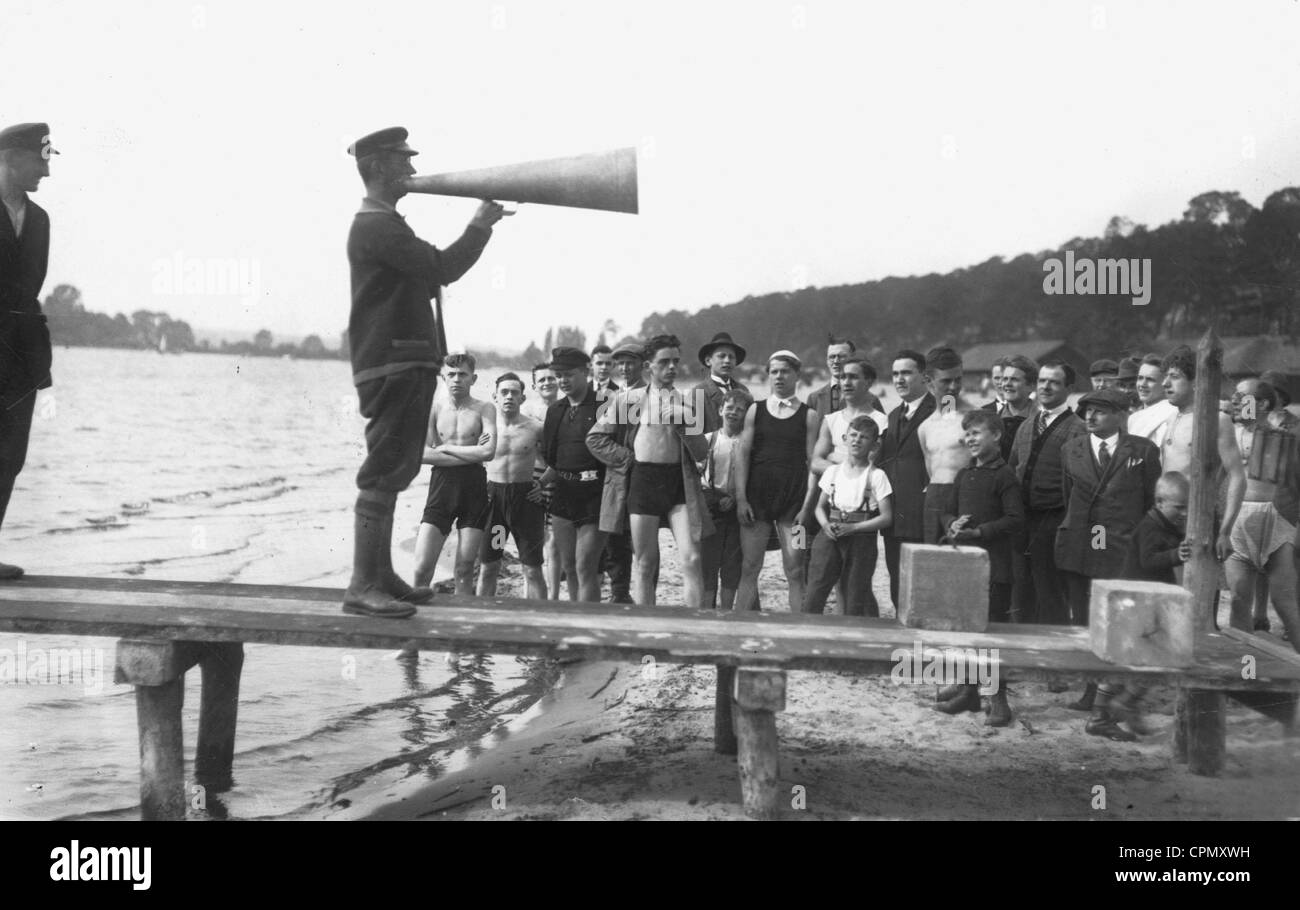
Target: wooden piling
x=220, y=665
x=724, y=728
x=162, y=761
x=760, y=694
x=1200, y=712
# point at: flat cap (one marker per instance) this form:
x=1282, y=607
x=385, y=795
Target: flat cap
x=1128, y=368
x=392, y=139
x=566, y=358
x=1103, y=368
x=34, y=137
x=631, y=349
x=1106, y=398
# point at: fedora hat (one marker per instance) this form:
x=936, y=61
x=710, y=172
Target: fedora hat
x=720, y=340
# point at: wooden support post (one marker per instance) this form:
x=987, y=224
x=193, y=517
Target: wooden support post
x=724, y=729
x=760, y=694
x=1201, y=711
x=1206, y=733
x=218, y=709
x=162, y=761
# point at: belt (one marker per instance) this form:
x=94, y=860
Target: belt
x=580, y=477
x=839, y=515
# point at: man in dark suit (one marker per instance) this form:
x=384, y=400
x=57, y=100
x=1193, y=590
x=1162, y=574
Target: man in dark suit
x=1016, y=377
x=829, y=398
x=1036, y=459
x=720, y=357
x=24, y=338
x=903, y=461
x=1109, y=484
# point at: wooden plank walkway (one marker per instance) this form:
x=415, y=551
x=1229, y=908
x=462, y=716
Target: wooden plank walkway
x=168, y=627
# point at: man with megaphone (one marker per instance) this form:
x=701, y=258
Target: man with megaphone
x=397, y=345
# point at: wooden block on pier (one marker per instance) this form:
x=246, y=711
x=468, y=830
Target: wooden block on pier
x=760, y=694
x=1142, y=623
x=153, y=663
x=944, y=588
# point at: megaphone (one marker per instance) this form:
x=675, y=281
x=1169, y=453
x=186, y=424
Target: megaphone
x=605, y=181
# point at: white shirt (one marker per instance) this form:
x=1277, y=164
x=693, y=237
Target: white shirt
x=727, y=384
x=1096, y=441
x=720, y=472
x=849, y=493
x=17, y=215
x=909, y=407
x=1054, y=412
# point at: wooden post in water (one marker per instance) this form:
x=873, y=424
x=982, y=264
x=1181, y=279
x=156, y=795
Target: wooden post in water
x=760, y=694
x=162, y=759
x=1199, y=731
x=220, y=665
x=724, y=729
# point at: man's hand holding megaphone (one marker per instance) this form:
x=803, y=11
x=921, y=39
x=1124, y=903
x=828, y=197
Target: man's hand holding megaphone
x=488, y=214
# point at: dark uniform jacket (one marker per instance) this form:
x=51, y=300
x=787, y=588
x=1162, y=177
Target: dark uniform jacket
x=1114, y=500
x=24, y=336
x=990, y=495
x=903, y=462
x=394, y=276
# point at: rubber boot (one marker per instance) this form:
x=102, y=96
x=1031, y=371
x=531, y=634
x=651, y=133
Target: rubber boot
x=393, y=582
x=999, y=709
x=366, y=595
x=1085, y=702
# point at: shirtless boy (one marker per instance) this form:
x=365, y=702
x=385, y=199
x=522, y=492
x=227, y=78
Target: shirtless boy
x=462, y=438
x=943, y=441
x=512, y=506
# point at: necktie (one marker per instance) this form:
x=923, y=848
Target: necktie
x=1103, y=456
x=1042, y=423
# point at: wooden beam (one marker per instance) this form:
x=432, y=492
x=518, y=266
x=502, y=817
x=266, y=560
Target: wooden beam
x=1206, y=733
x=760, y=694
x=162, y=760
x=152, y=663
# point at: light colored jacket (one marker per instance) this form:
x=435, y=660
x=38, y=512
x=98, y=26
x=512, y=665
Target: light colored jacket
x=613, y=443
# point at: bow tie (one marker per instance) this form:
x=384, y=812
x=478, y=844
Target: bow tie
x=785, y=403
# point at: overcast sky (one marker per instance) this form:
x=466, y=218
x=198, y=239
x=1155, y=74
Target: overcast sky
x=781, y=144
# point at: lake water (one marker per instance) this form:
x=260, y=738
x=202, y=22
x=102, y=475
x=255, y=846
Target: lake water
x=219, y=468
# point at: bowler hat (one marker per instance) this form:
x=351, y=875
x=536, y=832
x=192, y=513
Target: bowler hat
x=566, y=358
x=719, y=340
x=1106, y=398
x=34, y=137
x=1103, y=368
x=392, y=139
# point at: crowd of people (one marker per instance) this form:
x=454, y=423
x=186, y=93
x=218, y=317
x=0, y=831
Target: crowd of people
x=585, y=462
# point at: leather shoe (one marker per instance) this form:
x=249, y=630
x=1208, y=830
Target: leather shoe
x=968, y=700
x=948, y=693
x=9, y=573
x=1125, y=709
x=371, y=601
x=1085, y=702
x=1104, y=726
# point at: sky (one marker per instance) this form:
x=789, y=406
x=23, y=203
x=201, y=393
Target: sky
x=780, y=144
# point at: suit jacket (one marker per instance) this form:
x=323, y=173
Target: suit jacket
x=613, y=442
x=24, y=336
x=1114, y=500
x=1037, y=462
x=1009, y=427
x=712, y=401
x=828, y=399
x=903, y=462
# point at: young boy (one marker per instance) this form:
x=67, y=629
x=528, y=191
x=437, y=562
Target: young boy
x=1158, y=546
x=720, y=552
x=985, y=509
x=855, y=503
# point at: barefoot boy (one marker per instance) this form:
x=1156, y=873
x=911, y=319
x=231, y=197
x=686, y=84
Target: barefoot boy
x=462, y=438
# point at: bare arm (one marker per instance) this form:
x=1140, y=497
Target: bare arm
x=1230, y=456
x=822, y=450
x=483, y=451
x=743, y=447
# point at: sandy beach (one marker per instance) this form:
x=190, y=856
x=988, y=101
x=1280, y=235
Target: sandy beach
x=612, y=741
